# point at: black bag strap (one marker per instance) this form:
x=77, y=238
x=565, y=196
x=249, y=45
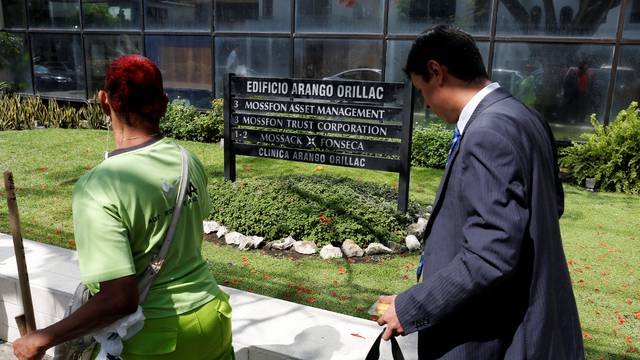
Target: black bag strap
x=374, y=353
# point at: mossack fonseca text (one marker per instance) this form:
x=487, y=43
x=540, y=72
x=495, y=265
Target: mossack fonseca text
x=282, y=88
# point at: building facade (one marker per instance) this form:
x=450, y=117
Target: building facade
x=566, y=58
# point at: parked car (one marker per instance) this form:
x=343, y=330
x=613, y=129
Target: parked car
x=367, y=74
x=54, y=77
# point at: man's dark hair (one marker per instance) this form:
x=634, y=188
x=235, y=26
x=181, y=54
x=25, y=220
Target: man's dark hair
x=449, y=46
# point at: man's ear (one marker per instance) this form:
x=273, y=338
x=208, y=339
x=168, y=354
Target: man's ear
x=104, y=102
x=436, y=71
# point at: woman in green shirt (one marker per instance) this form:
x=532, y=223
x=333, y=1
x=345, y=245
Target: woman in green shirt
x=122, y=210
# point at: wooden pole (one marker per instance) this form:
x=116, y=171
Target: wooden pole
x=26, y=322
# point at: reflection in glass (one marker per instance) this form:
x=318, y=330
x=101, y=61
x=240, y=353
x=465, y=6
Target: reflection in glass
x=101, y=50
x=185, y=63
x=14, y=62
x=397, y=52
x=592, y=18
x=317, y=59
x=13, y=14
x=58, y=65
x=61, y=14
x=415, y=16
x=627, y=85
x=565, y=88
x=339, y=16
x=632, y=20
x=258, y=15
x=267, y=57
x=174, y=15
x=111, y=14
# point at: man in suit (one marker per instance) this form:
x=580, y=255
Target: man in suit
x=495, y=278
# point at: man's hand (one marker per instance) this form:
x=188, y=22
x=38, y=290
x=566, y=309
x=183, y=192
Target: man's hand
x=30, y=346
x=390, y=318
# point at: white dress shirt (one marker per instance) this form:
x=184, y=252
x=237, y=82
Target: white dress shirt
x=471, y=106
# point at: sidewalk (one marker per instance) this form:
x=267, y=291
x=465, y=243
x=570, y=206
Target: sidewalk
x=264, y=328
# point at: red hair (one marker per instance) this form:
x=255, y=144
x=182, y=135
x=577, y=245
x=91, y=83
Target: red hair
x=134, y=85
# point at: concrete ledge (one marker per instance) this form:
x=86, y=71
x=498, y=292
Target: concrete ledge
x=264, y=328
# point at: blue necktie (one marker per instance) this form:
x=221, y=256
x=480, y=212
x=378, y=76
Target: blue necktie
x=456, y=137
x=454, y=142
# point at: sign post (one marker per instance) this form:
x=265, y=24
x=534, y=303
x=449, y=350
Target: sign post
x=360, y=124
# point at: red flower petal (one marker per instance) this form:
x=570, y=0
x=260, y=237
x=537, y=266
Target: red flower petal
x=628, y=339
x=358, y=335
x=374, y=318
x=311, y=300
x=344, y=298
x=291, y=285
x=587, y=335
x=72, y=243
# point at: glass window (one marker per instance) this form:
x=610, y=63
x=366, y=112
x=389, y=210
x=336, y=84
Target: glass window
x=268, y=57
x=339, y=16
x=185, y=63
x=338, y=59
x=14, y=62
x=108, y=14
x=253, y=15
x=178, y=15
x=415, y=16
x=61, y=14
x=101, y=50
x=589, y=18
x=627, y=86
x=58, y=66
x=13, y=14
x=565, y=88
x=632, y=20
x=397, y=52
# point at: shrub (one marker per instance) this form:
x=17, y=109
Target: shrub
x=430, y=146
x=21, y=113
x=92, y=115
x=320, y=208
x=611, y=154
x=185, y=122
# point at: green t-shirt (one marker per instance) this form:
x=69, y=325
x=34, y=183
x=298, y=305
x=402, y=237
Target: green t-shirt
x=122, y=210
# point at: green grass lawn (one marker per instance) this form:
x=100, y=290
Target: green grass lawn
x=601, y=234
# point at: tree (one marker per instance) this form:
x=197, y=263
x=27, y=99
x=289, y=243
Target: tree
x=10, y=48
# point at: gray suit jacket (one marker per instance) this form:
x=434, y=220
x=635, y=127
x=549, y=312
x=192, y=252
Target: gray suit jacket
x=495, y=282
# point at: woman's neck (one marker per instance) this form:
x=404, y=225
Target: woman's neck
x=126, y=136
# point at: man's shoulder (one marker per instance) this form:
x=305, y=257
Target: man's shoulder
x=505, y=111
